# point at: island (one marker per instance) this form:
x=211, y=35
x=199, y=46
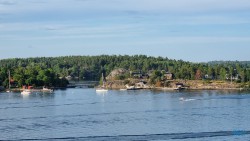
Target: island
x=124, y=72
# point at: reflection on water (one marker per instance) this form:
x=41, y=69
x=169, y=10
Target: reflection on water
x=83, y=114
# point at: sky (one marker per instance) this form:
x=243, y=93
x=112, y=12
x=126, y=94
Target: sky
x=191, y=30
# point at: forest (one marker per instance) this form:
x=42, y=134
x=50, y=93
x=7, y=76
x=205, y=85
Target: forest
x=53, y=71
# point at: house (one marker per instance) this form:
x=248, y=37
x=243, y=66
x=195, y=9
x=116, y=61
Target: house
x=207, y=76
x=137, y=74
x=236, y=77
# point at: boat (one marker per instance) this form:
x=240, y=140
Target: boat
x=123, y=89
x=26, y=92
x=103, y=87
x=47, y=90
x=132, y=87
x=101, y=90
x=179, y=86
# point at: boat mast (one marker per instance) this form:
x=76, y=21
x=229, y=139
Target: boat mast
x=103, y=80
x=9, y=78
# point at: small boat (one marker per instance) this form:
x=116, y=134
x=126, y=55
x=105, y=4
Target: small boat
x=179, y=86
x=131, y=87
x=103, y=88
x=123, y=89
x=47, y=90
x=26, y=92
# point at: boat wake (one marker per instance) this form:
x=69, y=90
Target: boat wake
x=189, y=99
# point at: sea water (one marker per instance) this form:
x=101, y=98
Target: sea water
x=83, y=114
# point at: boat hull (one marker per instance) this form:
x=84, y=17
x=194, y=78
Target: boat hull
x=25, y=92
x=101, y=90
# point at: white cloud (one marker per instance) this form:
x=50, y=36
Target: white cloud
x=126, y=5
x=201, y=40
x=42, y=31
x=7, y=2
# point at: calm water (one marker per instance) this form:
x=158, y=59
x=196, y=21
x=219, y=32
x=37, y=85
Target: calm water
x=83, y=114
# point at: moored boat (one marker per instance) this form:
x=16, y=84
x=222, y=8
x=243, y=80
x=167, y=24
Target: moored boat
x=26, y=92
x=132, y=87
x=47, y=90
x=123, y=89
x=101, y=90
x=103, y=87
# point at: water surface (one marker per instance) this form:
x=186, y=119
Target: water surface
x=83, y=114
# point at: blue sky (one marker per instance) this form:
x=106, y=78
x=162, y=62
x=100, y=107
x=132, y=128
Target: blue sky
x=191, y=30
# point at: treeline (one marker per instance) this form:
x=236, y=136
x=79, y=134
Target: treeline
x=52, y=71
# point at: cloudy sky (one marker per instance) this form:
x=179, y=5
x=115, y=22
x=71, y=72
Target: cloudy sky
x=192, y=30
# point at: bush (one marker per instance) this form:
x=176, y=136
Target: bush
x=120, y=77
x=158, y=84
x=126, y=82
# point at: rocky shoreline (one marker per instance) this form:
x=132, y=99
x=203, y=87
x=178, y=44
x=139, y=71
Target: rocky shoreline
x=187, y=85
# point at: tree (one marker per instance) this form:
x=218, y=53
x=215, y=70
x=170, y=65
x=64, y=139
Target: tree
x=198, y=75
x=27, y=71
x=223, y=74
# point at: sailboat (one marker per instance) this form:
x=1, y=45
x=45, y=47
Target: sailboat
x=8, y=91
x=47, y=90
x=102, y=88
x=26, y=92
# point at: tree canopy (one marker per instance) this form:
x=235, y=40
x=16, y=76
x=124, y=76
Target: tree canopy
x=47, y=70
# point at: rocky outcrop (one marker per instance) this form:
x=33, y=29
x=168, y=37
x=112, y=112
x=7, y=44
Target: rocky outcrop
x=116, y=72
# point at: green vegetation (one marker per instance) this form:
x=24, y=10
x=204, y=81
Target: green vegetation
x=48, y=71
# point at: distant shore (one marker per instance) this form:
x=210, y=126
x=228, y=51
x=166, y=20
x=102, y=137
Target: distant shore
x=187, y=85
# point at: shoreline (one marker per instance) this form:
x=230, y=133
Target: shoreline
x=174, y=85
x=156, y=88
x=238, y=89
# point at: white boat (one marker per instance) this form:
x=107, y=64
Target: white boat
x=103, y=88
x=26, y=92
x=47, y=90
x=123, y=89
x=131, y=87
